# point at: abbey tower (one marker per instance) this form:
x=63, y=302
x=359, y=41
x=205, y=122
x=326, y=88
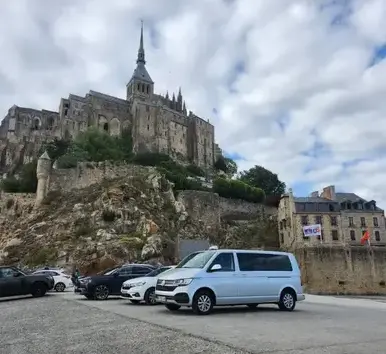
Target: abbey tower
x=158, y=123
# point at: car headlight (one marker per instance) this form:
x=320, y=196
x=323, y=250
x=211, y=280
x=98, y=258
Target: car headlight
x=182, y=282
x=138, y=284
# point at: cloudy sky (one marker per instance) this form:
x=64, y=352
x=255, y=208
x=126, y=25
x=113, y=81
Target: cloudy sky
x=296, y=86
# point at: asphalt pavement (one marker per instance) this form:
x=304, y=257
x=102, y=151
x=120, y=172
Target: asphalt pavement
x=67, y=323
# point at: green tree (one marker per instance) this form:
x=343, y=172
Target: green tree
x=260, y=177
x=221, y=165
x=95, y=145
x=231, y=166
x=125, y=144
x=55, y=148
x=26, y=183
x=98, y=145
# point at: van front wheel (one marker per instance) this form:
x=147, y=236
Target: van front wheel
x=202, y=303
x=287, y=300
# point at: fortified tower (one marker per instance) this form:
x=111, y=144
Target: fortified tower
x=43, y=171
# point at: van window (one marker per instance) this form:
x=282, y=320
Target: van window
x=264, y=262
x=187, y=258
x=199, y=260
x=226, y=261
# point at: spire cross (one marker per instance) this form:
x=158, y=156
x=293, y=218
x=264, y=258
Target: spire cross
x=141, y=50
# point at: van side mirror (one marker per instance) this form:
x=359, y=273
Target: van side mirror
x=215, y=268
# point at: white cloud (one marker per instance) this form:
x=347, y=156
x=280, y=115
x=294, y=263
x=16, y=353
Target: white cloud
x=298, y=68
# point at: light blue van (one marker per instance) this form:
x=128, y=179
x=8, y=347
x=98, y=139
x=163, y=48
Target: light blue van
x=232, y=277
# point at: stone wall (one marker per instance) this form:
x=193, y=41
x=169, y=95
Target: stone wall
x=236, y=209
x=339, y=270
x=211, y=208
x=86, y=174
x=202, y=207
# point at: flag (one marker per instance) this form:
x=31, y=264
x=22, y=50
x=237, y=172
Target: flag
x=365, y=237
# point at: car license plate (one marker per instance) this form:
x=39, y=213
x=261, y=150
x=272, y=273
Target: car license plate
x=161, y=298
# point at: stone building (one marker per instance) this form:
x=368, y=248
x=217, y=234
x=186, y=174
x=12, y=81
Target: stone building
x=158, y=123
x=344, y=218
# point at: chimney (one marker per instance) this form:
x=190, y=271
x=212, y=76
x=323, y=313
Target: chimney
x=329, y=193
x=314, y=194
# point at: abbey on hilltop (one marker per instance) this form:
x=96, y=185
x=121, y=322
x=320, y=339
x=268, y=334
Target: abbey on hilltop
x=158, y=123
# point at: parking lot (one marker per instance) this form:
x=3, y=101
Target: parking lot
x=66, y=323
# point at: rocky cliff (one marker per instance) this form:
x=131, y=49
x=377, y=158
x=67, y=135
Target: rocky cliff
x=123, y=219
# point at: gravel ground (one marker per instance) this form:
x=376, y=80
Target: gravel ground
x=67, y=323
x=53, y=325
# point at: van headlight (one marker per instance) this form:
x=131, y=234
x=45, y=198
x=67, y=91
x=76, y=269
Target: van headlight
x=182, y=282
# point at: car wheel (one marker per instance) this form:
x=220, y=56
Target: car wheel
x=60, y=287
x=287, y=300
x=252, y=306
x=150, y=298
x=39, y=289
x=172, y=307
x=101, y=292
x=202, y=303
x=135, y=302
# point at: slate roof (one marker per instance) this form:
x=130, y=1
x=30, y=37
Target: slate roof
x=140, y=73
x=108, y=97
x=352, y=197
x=340, y=198
x=313, y=200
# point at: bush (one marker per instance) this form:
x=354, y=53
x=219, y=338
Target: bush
x=27, y=182
x=150, y=159
x=55, y=148
x=41, y=256
x=96, y=146
x=10, y=185
x=221, y=165
x=181, y=181
x=195, y=170
x=235, y=189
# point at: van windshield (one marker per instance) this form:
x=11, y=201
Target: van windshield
x=198, y=261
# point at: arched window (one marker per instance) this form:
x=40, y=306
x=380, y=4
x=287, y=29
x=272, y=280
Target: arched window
x=139, y=87
x=36, y=124
x=147, y=88
x=50, y=123
x=143, y=87
x=115, y=125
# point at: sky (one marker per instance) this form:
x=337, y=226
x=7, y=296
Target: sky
x=296, y=86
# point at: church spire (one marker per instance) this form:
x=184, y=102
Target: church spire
x=141, y=50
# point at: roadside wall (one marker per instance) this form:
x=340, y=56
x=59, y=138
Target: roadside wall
x=339, y=270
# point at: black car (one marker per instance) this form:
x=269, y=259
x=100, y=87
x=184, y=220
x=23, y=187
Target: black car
x=14, y=282
x=100, y=286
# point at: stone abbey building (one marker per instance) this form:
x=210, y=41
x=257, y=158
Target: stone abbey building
x=158, y=123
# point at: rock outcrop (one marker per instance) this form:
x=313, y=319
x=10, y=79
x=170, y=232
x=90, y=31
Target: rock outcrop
x=124, y=219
